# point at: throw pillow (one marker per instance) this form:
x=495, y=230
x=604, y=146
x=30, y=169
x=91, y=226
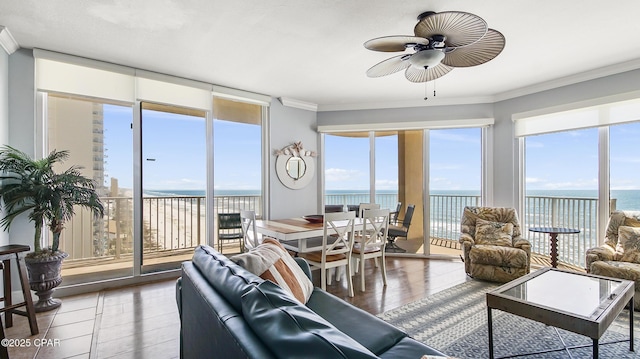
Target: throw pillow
x=629, y=244
x=494, y=233
x=270, y=261
x=293, y=330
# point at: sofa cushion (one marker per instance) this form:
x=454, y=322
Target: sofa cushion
x=370, y=331
x=225, y=276
x=494, y=233
x=271, y=261
x=295, y=331
x=498, y=256
x=628, y=248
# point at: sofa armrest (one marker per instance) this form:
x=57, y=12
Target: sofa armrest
x=464, y=237
x=603, y=253
x=305, y=266
x=179, y=295
x=519, y=242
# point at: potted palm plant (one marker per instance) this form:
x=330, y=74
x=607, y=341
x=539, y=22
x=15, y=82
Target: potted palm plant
x=49, y=198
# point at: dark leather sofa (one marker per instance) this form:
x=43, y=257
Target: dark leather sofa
x=228, y=312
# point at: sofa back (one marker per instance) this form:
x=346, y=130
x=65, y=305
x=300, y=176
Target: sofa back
x=494, y=214
x=617, y=219
x=228, y=312
x=210, y=326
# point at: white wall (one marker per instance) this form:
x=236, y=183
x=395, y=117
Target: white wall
x=409, y=114
x=22, y=125
x=289, y=125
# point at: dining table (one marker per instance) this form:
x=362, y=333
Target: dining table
x=297, y=234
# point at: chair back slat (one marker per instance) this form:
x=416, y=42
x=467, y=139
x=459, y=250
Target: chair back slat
x=334, y=228
x=249, y=232
x=375, y=227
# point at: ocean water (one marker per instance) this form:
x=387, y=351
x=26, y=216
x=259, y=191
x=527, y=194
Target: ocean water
x=625, y=199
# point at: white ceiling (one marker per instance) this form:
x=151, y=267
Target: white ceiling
x=312, y=50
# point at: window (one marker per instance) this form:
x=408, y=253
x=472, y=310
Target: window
x=455, y=180
x=98, y=137
x=237, y=157
x=173, y=185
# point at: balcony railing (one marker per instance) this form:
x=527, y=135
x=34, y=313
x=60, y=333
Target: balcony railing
x=386, y=200
x=169, y=223
x=177, y=222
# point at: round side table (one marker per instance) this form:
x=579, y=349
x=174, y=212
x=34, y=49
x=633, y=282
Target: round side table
x=553, y=237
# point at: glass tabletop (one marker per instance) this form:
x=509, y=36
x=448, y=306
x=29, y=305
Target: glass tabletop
x=568, y=292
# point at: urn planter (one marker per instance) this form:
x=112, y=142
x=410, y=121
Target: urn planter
x=44, y=277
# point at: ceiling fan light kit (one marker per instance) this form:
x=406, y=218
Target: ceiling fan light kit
x=442, y=42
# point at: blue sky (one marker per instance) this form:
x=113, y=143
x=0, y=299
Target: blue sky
x=175, y=147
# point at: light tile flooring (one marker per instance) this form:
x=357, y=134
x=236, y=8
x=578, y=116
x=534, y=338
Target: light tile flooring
x=131, y=322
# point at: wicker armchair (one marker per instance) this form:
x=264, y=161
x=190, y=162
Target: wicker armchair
x=492, y=244
x=618, y=257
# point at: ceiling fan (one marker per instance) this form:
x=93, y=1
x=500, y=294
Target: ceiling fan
x=442, y=41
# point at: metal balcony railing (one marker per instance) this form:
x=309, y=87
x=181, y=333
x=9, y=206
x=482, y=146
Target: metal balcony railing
x=178, y=222
x=169, y=223
x=386, y=200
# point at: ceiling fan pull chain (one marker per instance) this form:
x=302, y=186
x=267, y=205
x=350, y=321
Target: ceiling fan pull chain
x=426, y=91
x=434, y=88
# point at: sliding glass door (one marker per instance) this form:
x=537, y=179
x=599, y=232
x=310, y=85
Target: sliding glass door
x=99, y=138
x=173, y=185
x=398, y=168
x=455, y=181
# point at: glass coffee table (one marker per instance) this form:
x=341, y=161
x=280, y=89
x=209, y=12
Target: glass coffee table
x=581, y=303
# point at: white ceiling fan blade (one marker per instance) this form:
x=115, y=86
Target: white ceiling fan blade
x=481, y=51
x=460, y=28
x=389, y=66
x=394, y=43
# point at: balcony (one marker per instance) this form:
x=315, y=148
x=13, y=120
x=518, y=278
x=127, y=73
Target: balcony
x=173, y=226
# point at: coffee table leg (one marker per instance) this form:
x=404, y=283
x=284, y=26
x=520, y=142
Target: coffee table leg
x=490, y=323
x=554, y=249
x=631, y=309
x=595, y=348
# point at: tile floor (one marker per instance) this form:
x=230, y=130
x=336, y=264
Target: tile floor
x=131, y=322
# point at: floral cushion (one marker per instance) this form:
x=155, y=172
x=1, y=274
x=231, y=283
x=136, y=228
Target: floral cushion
x=494, y=233
x=628, y=248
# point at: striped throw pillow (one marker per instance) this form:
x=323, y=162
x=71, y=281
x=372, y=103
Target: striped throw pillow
x=270, y=261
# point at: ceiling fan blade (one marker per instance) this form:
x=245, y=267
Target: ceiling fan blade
x=394, y=43
x=460, y=28
x=389, y=66
x=481, y=51
x=415, y=74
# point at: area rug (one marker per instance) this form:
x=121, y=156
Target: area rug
x=454, y=322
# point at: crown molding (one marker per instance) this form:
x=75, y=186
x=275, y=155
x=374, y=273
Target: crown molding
x=570, y=80
x=432, y=101
x=8, y=43
x=523, y=91
x=289, y=102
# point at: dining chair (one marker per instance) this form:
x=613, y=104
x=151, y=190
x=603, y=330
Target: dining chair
x=365, y=206
x=249, y=233
x=230, y=230
x=402, y=230
x=371, y=242
x=393, y=216
x=334, y=253
x=333, y=208
x=358, y=209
